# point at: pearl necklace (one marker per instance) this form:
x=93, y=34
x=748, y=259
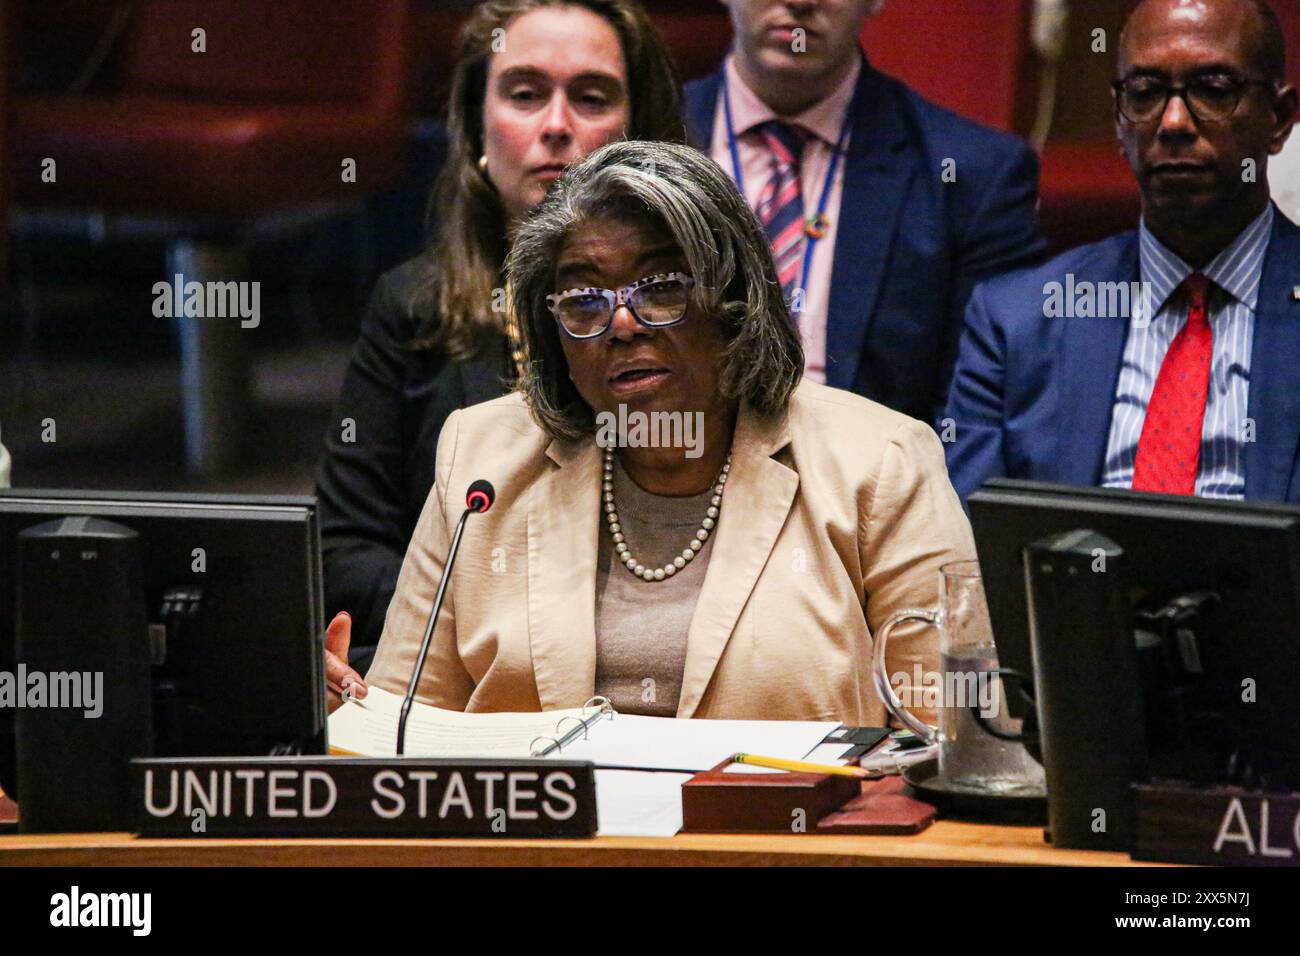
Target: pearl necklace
x=616, y=530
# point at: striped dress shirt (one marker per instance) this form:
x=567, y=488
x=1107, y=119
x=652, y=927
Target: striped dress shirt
x=1236, y=273
x=825, y=120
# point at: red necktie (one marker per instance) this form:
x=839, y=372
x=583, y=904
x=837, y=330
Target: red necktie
x=780, y=207
x=1169, y=450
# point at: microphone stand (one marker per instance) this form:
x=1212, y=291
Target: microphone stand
x=428, y=630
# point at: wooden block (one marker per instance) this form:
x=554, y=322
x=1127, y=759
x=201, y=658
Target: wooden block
x=883, y=807
x=8, y=811
x=718, y=802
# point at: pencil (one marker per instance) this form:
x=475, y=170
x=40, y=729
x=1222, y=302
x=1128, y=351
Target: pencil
x=800, y=766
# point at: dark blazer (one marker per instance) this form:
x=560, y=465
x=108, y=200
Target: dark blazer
x=1032, y=396
x=372, y=489
x=910, y=247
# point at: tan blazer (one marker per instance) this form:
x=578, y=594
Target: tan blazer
x=836, y=514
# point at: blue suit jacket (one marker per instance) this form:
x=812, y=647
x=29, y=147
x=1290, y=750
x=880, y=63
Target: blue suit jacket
x=1032, y=396
x=910, y=247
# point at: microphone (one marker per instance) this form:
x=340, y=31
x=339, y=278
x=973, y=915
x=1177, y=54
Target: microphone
x=480, y=495
x=478, y=499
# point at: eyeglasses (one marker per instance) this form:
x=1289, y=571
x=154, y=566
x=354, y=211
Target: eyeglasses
x=1210, y=99
x=656, y=302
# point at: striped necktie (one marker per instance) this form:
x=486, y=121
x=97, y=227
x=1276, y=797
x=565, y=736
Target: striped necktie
x=1169, y=450
x=780, y=206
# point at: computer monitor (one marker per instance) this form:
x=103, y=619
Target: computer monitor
x=242, y=670
x=1210, y=592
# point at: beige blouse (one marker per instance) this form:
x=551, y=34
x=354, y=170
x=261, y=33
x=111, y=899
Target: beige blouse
x=641, y=626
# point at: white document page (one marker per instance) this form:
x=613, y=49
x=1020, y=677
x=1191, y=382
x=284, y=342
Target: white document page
x=636, y=803
x=667, y=743
x=368, y=726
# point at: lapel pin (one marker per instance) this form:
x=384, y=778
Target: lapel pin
x=815, y=228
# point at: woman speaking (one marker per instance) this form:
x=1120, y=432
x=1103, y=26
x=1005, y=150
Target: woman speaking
x=539, y=84
x=741, y=575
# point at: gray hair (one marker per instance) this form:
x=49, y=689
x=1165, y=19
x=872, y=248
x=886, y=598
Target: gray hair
x=726, y=252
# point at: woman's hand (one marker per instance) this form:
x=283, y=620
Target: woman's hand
x=341, y=680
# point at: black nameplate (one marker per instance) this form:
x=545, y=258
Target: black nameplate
x=363, y=797
x=1182, y=823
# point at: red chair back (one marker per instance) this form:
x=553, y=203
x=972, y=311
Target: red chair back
x=972, y=56
x=289, y=51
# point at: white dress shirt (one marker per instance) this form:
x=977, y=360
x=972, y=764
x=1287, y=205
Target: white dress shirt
x=1236, y=273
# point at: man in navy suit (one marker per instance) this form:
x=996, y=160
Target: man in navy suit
x=878, y=249
x=1166, y=359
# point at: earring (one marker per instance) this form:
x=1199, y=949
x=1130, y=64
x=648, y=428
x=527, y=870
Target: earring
x=482, y=164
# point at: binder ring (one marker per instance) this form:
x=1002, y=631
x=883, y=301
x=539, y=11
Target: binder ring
x=534, y=752
x=582, y=727
x=584, y=722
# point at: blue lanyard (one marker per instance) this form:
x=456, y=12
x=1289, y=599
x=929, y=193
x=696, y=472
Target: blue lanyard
x=814, y=228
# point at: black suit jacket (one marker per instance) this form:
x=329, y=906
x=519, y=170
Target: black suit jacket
x=371, y=489
x=910, y=246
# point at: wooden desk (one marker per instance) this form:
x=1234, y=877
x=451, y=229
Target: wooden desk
x=946, y=843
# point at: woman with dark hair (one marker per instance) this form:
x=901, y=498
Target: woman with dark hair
x=538, y=85
x=681, y=525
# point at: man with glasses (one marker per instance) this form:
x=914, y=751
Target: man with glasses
x=1166, y=359
x=882, y=209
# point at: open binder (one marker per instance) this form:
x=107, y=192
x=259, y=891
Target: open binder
x=595, y=732
x=603, y=708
